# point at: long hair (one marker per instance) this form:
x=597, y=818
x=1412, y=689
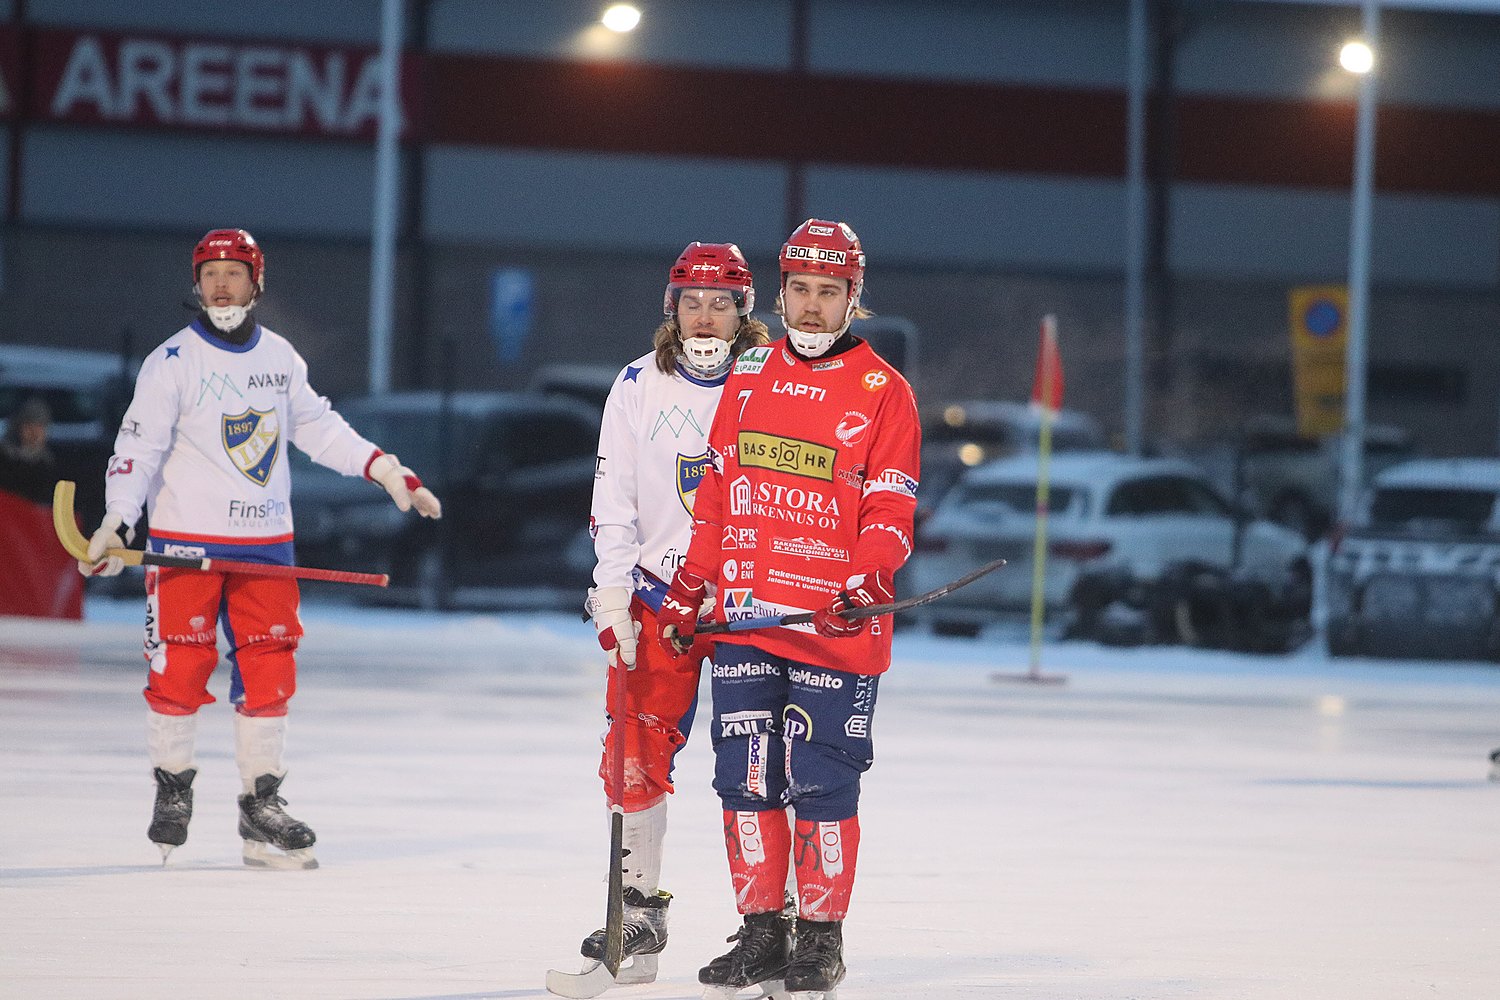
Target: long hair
x=751, y=333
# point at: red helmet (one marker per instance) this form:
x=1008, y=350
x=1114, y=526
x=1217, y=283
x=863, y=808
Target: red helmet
x=231, y=244
x=710, y=265
x=831, y=248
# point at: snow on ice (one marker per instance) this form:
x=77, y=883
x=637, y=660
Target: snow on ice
x=1167, y=824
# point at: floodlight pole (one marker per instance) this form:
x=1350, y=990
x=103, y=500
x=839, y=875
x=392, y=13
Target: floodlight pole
x=1351, y=465
x=383, y=225
x=1135, y=233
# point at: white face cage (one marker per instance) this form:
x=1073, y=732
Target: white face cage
x=706, y=356
x=227, y=318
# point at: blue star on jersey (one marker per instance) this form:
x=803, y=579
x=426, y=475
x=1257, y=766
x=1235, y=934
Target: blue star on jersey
x=172, y=351
x=631, y=372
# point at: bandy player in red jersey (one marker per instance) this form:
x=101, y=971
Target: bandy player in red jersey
x=807, y=507
x=203, y=445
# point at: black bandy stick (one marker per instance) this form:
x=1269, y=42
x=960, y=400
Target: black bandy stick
x=852, y=614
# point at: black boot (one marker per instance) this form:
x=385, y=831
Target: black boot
x=645, y=935
x=173, y=809
x=264, y=824
x=759, y=956
x=817, y=964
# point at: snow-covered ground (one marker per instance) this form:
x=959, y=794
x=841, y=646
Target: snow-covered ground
x=1165, y=824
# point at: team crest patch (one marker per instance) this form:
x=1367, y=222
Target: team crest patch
x=690, y=470
x=253, y=440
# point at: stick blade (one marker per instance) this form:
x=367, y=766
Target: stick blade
x=580, y=985
x=65, y=523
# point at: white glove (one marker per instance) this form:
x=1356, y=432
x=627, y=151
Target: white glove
x=404, y=486
x=111, y=534
x=618, y=632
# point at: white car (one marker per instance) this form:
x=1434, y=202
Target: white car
x=1418, y=572
x=1124, y=534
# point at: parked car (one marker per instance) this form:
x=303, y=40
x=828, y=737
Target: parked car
x=588, y=383
x=1418, y=572
x=1294, y=480
x=966, y=433
x=86, y=393
x=1137, y=550
x=515, y=472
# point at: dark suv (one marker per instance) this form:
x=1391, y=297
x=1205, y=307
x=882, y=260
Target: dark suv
x=515, y=472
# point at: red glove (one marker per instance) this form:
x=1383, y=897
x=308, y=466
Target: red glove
x=677, y=621
x=862, y=590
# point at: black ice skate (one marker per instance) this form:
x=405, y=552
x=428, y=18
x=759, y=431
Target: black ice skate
x=264, y=825
x=758, y=959
x=173, y=809
x=645, y=936
x=817, y=965
x=1495, y=765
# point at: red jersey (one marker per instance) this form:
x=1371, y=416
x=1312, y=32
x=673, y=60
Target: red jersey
x=814, y=478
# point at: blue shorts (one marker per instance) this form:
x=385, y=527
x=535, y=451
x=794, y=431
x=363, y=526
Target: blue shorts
x=789, y=733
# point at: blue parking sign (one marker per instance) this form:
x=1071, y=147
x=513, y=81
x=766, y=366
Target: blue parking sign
x=511, y=297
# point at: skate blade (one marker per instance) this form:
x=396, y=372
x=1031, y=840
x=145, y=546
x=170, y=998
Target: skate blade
x=592, y=981
x=771, y=989
x=641, y=969
x=262, y=855
x=166, y=852
x=814, y=995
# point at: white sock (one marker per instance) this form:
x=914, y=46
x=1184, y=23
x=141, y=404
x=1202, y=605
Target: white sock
x=170, y=740
x=259, y=741
x=644, y=832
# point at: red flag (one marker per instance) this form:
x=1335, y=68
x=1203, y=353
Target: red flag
x=1047, y=387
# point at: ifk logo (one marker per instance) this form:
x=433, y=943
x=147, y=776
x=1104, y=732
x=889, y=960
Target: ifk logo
x=252, y=440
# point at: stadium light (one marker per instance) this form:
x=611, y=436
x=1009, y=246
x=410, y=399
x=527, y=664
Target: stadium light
x=621, y=17
x=1357, y=57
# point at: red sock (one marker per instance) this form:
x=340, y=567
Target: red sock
x=760, y=847
x=825, y=856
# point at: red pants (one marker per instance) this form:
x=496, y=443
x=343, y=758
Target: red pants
x=661, y=695
x=259, y=616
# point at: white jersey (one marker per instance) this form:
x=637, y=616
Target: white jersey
x=653, y=449
x=203, y=444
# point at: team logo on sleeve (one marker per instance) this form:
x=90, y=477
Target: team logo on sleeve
x=892, y=481
x=690, y=470
x=252, y=440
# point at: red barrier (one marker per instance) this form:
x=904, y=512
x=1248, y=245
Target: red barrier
x=42, y=580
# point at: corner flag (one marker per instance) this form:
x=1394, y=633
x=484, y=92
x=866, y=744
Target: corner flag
x=1047, y=387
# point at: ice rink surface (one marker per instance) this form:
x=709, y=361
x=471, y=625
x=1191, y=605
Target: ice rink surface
x=1167, y=824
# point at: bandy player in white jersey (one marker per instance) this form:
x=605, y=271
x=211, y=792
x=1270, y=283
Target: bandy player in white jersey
x=202, y=449
x=652, y=452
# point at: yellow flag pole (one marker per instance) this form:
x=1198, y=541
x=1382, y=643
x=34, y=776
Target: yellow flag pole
x=1046, y=376
x=1039, y=545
